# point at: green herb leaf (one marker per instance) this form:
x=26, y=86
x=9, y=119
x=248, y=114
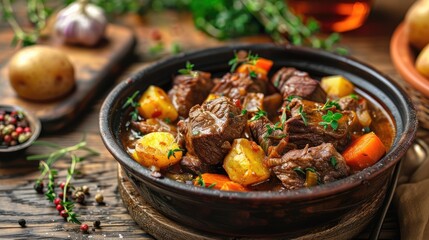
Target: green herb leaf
x=299, y=171
x=243, y=111
x=331, y=119
x=253, y=74
x=303, y=115
x=260, y=113
x=188, y=70
x=354, y=96
x=171, y=152
x=333, y=162
x=331, y=104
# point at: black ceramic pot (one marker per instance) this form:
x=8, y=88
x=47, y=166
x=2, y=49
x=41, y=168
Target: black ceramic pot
x=266, y=214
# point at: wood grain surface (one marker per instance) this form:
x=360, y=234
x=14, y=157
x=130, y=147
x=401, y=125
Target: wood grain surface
x=18, y=199
x=95, y=68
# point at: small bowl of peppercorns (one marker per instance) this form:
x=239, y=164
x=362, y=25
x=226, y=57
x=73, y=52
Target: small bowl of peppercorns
x=18, y=129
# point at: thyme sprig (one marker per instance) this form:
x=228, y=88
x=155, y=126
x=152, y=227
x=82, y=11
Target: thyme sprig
x=188, y=70
x=47, y=162
x=37, y=14
x=249, y=59
x=134, y=104
x=303, y=115
x=260, y=113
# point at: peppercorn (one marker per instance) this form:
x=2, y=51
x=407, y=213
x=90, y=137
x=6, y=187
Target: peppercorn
x=80, y=197
x=22, y=222
x=97, y=224
x=38, y=186
x=85, y=189
x=84, y=227
x=99, y=198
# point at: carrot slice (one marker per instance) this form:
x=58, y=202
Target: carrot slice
x=218, y=181
x=247, y=68
x=365, y=151
x=264, y=63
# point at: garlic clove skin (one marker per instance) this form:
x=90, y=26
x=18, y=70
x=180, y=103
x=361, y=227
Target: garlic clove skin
x=81, y=23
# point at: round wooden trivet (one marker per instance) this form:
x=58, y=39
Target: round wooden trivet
x=161, y=227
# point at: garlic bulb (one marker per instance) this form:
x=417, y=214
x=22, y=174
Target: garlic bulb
x=81, y=23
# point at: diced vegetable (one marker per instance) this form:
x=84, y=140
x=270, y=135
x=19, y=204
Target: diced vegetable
x=218, y=181
x=337, y=86
x=248, y=68
x=264, y=63
x=364, y=118
x=243, y=163
x=155, y=103
x=365, y=151
x=211, y=96
x=310, y=179
x=157, y=149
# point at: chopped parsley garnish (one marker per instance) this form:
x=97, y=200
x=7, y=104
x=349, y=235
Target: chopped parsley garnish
x=244, y=112
x=260, y=113
x=331, y=119
x=131, y=102
x=171, y=152
x=167, y=120
x=333, y=162
x=188, y=70
x=303, y=115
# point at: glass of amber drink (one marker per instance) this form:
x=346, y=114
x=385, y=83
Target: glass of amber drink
x=333, y=15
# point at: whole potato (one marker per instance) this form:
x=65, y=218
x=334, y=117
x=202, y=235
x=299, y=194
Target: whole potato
x=41, y=73
x=422, y=62
x=417, y=24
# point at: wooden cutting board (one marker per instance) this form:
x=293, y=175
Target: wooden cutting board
x=95, y=68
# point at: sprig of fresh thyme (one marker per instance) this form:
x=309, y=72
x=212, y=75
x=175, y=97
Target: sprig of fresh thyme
x=47, y=162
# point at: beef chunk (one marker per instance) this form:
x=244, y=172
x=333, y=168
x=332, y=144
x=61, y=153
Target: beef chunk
x=324, y=159
x=237, y=85
x=291, y=82
x=311, y=131
x=260, y=132
x=189, y=90
x=194, y=165
x=153, y=125
x=211, y=128
x=253, y=102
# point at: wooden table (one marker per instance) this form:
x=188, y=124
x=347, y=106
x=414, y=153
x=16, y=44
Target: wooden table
x=18, y=199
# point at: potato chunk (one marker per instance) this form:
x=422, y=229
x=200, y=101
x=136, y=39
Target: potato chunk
x=337, y=86
x=155, y=103
x=243, y=163
x=157, y=149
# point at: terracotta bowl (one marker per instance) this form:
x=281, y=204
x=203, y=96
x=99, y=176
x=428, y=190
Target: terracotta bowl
x=267, y=214
x=404, y=57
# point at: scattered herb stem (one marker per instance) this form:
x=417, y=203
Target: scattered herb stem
x=46, y=163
